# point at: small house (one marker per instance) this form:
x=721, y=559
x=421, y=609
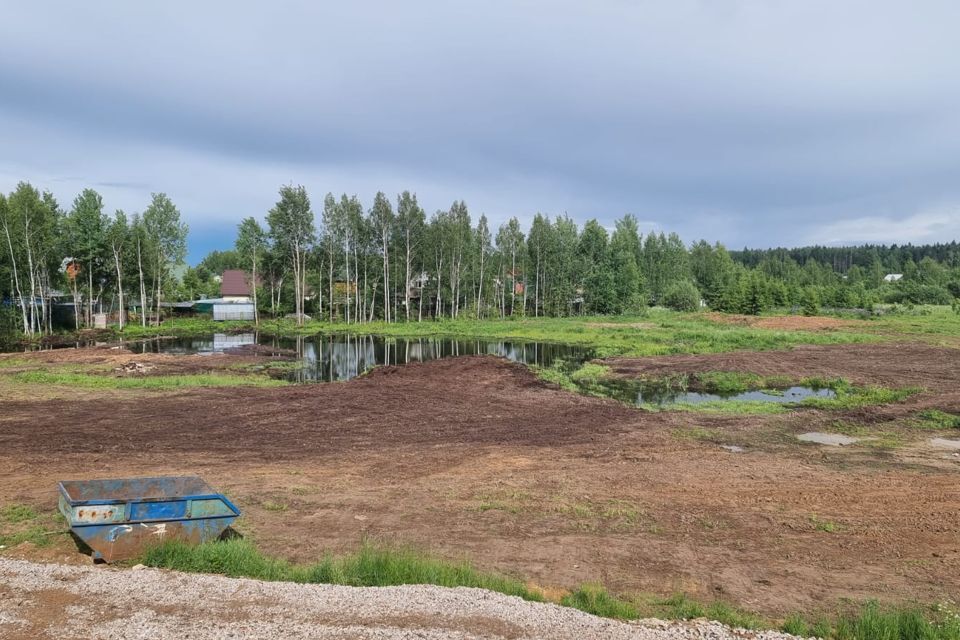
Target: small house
x=235, y=286
x=236, y=298
x=893, y=277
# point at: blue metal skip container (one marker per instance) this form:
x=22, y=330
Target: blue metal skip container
x=119, y=518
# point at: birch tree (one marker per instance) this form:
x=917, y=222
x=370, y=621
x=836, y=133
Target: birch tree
x=293, y=232
x=86, y=224
x=410, y=222
x=118, y=238
x=382, y=219
x=251, y=243
x=168, y=236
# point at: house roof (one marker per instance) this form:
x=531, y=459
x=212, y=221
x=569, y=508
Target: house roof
x=234, y=283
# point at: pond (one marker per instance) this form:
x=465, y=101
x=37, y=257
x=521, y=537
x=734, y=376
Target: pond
x=784, y=396
x=331, y=358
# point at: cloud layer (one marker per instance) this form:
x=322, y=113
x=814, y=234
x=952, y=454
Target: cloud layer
x=755, y=124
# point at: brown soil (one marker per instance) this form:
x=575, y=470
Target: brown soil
x=474, y=457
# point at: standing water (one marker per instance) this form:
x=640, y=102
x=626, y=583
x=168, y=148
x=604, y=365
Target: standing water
x=332, y=358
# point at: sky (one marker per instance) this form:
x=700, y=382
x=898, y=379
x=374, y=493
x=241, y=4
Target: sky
x=753, y=123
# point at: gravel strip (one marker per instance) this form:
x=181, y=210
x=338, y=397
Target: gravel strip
x=60, y=601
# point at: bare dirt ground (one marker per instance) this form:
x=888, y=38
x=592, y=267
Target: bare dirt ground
x=474, y=457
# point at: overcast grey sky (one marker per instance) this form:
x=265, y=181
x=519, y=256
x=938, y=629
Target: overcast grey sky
x=757, y=123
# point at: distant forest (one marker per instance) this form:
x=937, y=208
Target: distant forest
x=344, y=262
x=893, y=258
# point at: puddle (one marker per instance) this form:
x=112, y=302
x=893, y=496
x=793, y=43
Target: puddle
x=945, y=443
x=733, y=448
x=786, y=396
x=831, y=439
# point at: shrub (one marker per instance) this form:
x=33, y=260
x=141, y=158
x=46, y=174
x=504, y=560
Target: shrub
x=682, y=296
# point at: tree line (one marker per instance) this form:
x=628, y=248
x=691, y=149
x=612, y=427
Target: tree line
x=392, y=262
x=94, y=256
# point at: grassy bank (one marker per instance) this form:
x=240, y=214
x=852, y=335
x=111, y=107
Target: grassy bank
x=657, y=332
x=160, y=382
x=598, y=380
x=378, y=566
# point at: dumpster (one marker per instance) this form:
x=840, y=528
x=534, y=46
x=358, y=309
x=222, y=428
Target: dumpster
x=119, y=518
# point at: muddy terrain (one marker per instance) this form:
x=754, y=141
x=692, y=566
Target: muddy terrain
x=476, y=457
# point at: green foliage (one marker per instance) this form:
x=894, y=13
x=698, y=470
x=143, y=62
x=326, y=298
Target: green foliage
x=17, y=513
x=590, y=373
x=730, y=382
x=91, y=381
x=733, y=407
x=797, y=625
x=936, y=419
x=810, y=304
x=849, y=396
x=663, y=332
x=36, y=535
x=873, y=622
x=594, y=599
x=682, y=296
x=370, y=566
x=683, y=607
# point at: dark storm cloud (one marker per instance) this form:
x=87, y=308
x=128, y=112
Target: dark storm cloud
x=752, y=123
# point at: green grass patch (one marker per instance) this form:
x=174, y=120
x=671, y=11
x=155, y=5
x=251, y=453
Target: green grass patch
x=87, y=381
x=798, y=625
x=935, y=419
x=849, y=396
x=697, y=433
x=590, y=373
x=736, y=407
x=824, y=525
x=370, y=566
x=37, y=535
x=729, y=382
x=594, y=599
x=22, y=523
x=872, y=621
x=683, y=607
x=15, y=513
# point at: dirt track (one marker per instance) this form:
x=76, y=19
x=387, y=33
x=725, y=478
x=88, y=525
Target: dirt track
x=475, y=457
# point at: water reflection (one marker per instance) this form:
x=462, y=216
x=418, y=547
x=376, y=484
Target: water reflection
x=333, y=358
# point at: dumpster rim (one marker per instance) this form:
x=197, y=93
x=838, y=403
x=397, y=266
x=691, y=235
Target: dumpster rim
x=185, y=498
x=203, y=485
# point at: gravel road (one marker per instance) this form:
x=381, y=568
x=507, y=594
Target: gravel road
x=60, y=601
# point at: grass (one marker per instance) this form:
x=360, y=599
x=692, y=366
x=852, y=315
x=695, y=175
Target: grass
x=21, y=523
x=729, y=382
x=735, y=407
x=379, y=566
x=657, y=332
x=872, y=621
x=370, y=566
x=935, y=419
x=11, y=362
x=824, y=525
x=15, y=513
x=88, y=381
x=594, y=599
x=850, y=396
